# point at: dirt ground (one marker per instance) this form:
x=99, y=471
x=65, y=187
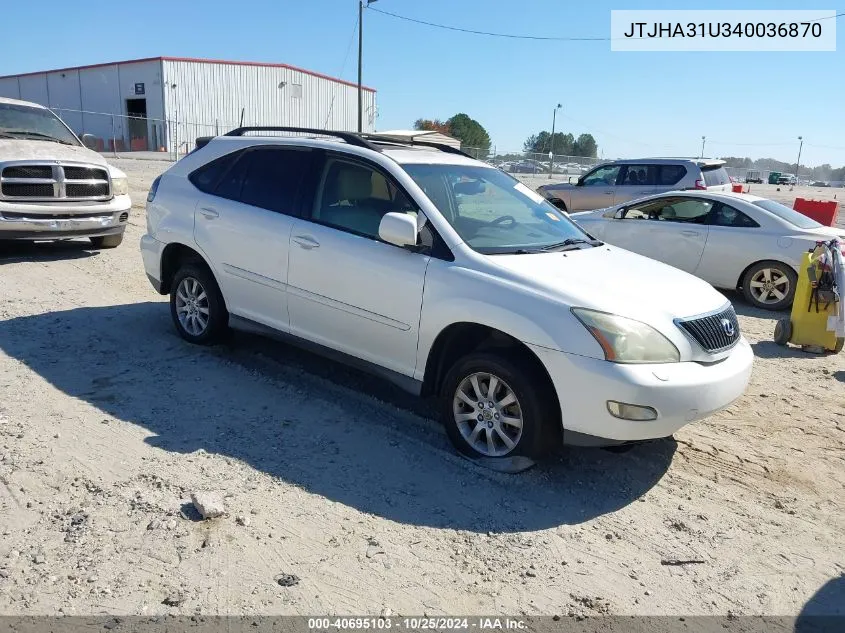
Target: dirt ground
x=108, y=423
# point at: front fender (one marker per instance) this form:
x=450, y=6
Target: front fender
x=455, y=294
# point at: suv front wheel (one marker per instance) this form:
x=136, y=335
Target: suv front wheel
x=196, y=305
x=494, y=408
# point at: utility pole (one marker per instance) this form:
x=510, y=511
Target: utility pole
x=552, y=148
x=360, y=56
x=798, y=164
x=703, y=139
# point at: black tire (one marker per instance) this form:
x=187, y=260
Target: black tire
x=218, y=317
x=107, y=241
x=536, y=403
x=783, y=269
x=783, y=331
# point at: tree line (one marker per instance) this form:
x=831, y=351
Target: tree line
x=474, y=137
x=821, y=172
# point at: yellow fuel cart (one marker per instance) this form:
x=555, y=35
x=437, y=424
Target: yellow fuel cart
x=818, y=297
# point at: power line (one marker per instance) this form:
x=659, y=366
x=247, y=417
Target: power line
x=342, y=68
x=524, y=37
x=505, y=35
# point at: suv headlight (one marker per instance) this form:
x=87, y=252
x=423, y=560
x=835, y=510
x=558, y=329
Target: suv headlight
x=119, y=186
x=626, y=340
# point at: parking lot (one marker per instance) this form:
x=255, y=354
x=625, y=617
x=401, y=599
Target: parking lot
x=109, y=422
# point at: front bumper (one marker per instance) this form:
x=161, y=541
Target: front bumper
x=49, y=221
x=680, y=393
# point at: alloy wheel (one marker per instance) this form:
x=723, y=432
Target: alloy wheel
x=769, y=285
x=192, y=306
x=488, y=414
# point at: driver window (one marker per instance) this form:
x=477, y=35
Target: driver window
x=602, y=177
x=354, y=197
x=693, y=210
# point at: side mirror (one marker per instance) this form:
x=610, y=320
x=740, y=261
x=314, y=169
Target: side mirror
x=89, y=141
x=399, y=229
x=575, y=180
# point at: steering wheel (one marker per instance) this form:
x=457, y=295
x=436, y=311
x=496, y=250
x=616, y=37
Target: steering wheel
x=504, y=219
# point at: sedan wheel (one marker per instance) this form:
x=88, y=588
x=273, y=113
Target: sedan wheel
x=770, y=285
x=488, y=414
x=192, y=306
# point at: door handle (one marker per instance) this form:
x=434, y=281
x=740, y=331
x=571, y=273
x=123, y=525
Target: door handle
x=608, y=193
x=690, y=233
x=306, y=241
x=209, y=213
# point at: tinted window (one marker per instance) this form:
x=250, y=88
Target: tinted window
x=715, y=176
x=785, y=213
x=724, y=215
x=639, y=175
x=207, y=176
x=354, y=197
x=603, y=176
x=272, y=178
x=230, y=184
x=671, y=174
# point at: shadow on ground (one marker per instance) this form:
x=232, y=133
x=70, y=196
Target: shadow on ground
x=743, y=308
x=330, y=430
x=825, y=611
x=25, y=251
x=770, y=349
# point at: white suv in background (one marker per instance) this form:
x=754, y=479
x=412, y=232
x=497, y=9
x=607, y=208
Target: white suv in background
x=446, y=276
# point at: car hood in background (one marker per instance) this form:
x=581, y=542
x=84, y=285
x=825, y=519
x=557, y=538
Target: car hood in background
x=24, y=149
x=614, y=280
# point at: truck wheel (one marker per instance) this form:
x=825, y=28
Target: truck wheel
x=196, y=305
x=494, y=408
x=107, y=241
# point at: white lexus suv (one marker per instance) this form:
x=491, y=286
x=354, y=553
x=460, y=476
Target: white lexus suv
x=446, y=276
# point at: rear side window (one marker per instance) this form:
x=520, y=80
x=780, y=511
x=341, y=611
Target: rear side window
x=272, y=178
x=714, y=176
x=639, y=175
x=206, y=177
x=725, y=215
x=671, y=174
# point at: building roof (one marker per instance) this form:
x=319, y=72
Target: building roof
x=195, y=61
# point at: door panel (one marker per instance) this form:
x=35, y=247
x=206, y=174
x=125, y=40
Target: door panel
x=249, y=250
x=670, y=230
x=347, y=289
x=243, y=222
x=636, y=181
x=355, y=294
x=596, y=190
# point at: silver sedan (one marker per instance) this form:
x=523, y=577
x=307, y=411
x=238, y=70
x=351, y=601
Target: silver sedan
x=731, y=240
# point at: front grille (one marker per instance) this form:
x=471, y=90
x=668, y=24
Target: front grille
x=87, y=190
x=15, y=215
x=28, y=171
x=54, y=181
x=27, y=191
x=84, y=173
x=714, y=332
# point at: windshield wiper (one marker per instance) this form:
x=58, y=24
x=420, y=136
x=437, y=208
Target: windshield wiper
x=569, y=244
x=38, y=136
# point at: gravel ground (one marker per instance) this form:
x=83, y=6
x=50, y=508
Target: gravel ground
x=342, y=495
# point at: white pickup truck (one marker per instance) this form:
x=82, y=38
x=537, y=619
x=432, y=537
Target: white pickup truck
x=51, y=185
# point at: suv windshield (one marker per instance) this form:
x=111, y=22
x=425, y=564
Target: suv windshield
x=39, y=124
x=492, y=212
x=785, y=213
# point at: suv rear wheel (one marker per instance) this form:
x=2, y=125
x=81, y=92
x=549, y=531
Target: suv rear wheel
x=492, y=407
x=196, y=305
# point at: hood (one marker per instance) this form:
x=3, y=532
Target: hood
x=24, y=149
x=614, y=280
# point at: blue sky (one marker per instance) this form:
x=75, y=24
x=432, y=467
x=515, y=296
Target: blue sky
x=635, y=104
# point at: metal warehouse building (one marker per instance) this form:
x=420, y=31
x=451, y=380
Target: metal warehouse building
x=166, y=102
